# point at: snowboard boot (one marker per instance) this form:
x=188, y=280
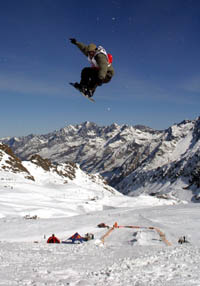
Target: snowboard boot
x=81, y=87
x=84, y=88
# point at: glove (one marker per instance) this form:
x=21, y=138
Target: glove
x=73, y=41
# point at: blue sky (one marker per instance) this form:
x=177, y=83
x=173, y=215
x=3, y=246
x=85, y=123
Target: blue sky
x=155, y=46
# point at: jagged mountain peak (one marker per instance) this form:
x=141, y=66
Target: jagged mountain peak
x=89, y=124
x=144, y=128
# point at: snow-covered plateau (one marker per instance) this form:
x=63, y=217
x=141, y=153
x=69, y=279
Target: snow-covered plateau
x=38, y=199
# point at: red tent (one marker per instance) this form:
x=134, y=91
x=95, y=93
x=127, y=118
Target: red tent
x=53, y=239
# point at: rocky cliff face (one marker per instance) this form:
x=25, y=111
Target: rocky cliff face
x=11, y=163
x=64, y=170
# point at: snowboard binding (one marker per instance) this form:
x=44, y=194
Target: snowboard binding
x=84, y=89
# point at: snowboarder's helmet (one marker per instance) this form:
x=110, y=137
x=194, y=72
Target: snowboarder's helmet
x=91, y=47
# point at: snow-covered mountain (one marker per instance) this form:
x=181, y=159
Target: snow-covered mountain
x=174, y=160
x=33, y=186
x=130, y=158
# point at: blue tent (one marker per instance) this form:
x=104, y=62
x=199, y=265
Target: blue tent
x=76, y=238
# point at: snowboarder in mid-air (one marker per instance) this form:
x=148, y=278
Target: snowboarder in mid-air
x=100, y=72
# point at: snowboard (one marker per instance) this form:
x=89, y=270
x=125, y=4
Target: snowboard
x=85, y=95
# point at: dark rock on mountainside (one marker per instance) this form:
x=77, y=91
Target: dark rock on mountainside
x=11, y=162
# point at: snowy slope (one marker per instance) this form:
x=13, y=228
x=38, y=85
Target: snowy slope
x=54, y=190
x=32, y=187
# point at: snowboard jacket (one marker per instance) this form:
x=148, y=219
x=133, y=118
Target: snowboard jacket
x=100, y=60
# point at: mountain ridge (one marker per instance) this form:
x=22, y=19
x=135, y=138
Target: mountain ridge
x=128, y=157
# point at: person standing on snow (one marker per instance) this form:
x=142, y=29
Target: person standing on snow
x=101, y=70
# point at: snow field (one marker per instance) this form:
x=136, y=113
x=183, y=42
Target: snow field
x=129, y=256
